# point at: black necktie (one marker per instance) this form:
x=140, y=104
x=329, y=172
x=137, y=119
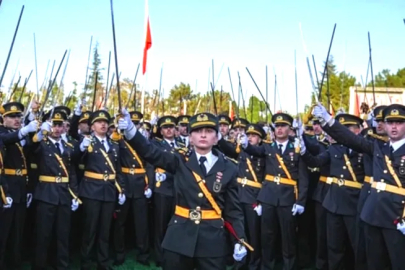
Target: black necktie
x=102, y=142
x=202, y=166
x=58, y=149
x=280, y=149
x=172, y=144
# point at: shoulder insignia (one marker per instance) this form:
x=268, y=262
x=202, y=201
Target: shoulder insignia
x=378, y=137
x=231, y=159
x=69, y=144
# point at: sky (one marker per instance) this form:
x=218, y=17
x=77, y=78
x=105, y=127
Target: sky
x=188, y=34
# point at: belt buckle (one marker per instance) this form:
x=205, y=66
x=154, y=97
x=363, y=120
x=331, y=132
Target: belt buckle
x=329, y=180
x=58, y=179
x=277, y=180
x=18, y=172
x=131, y=171
x=195, y=215
x=244, y=182
x=341, y=182
x=105, y=177
x=381, y=186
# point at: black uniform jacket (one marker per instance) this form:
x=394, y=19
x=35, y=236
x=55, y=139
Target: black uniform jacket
x=184, y=236
x=247, y=194
x=14, y=159
x=282, y=194
x=315, y=147
x=136, y=182
x=165, y=187
x=381, y=208
x=95, y=162
x=48, y=165
x=340, y=199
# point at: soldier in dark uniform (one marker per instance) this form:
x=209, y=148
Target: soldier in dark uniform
x=283, y=194
x=346, y=178
x=162, y=186
x=56, y=191
x=182, y=123
x=5, y=200
x=383, y=210
x=224, y=123
x=16, y=178
x=239, y=125
x=250, y=178
x=206, y=196
x=317, y=143
x=79, y=124
x=137, y=193
x=99, y=189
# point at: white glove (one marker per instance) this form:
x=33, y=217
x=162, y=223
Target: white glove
x=85, y=144
x=239, y=252
x=31, y=117
x=29, y=199
x=122, y=124
x=31, y=127
x=148, y=193
x=46, y=126
x=297, y=209
x=303, y=148
x=258, y=209
x=75, y=205
x=78, y=109
x=401, y=227
x=300, y=128
x=145, y=133
x=130, y=130
x=154, y=120
x=322, y=114
x=243, y=140
x=160, y=177
x=9, y=202
x=121, y=199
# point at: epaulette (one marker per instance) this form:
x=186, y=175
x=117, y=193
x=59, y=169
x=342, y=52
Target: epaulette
x=309, y=133
x=231, y=159
x=69, y=144
x=158, y=139
x=324, y=143
x=114, y=142
x=378, y=137
x=181, y=144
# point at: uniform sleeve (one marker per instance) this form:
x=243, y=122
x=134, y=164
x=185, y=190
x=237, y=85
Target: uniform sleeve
x=73, y=183
x=153, y=154
x=344, y=136
x=303, y=182
x=257, y=150
x=233, y=211
x=228, y=148
x=150, y=173
x=9, y=137
x=316, y=161
x=74, y=127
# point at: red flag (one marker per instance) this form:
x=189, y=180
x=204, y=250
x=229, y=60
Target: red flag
x=148, y=39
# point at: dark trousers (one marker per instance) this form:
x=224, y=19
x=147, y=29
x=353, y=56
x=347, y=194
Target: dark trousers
x=163, y=212
x=139, y=211
x=252, y=230
x=278, y=220
x=11, y=234
x=176, y=261
x=306, y=235
x=97, y=218
x=341, y=232
x=48, y=217
x=360, y=251
x=385, y=248
x=321, y=261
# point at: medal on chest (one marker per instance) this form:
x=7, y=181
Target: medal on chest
x=217, y=184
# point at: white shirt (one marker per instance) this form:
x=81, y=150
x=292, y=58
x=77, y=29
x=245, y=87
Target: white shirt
x=209, y=163
x=106, y=146
x=171, y=142
x=60, y=143
x=64, y=137
x=284, y=145
x=397, y=145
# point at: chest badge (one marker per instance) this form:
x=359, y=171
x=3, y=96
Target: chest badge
x=402, y=170
x=217, y=184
